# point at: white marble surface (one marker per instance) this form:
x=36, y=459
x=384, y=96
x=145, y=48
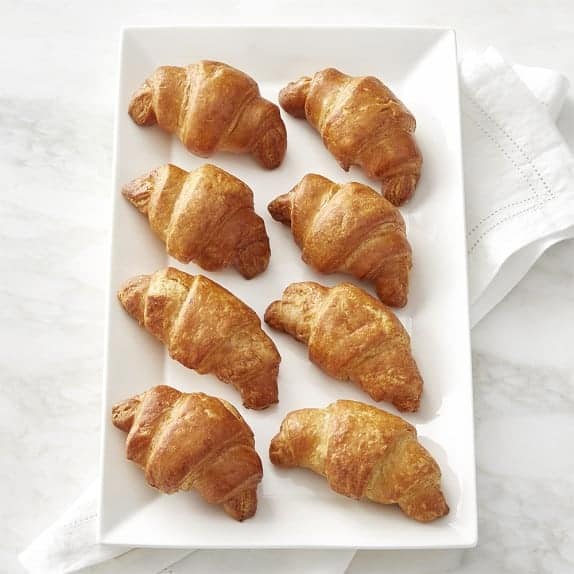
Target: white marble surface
x=58, y=71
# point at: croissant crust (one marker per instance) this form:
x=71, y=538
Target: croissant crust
x=192, y=442
x=205, y=216
x=212, y=107
x=364, y=453
x=349, y=228
x=361, y=123
x=206, y=328
x=352, y=337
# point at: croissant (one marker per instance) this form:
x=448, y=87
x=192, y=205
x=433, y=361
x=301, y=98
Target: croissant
x=349, y=228
x=352, y=337
x=363, y=452
x=191, y=441
x=208, y=329
x=204, y=216
x=212, y=107
x=361, y=123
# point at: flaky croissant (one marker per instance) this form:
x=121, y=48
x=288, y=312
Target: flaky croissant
x=361, y=123
x=205, y=216
x=191, y=441
x=364, y=453
x=349, y=228
x=212, y=107
x=352, y=337
x=206, y=328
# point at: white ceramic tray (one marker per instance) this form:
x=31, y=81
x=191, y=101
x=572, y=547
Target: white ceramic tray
x=297, y=508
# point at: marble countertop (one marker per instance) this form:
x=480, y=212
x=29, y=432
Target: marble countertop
x=56, y=115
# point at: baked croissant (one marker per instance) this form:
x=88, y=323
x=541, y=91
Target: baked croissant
x=204, y=216
x=206, y=328
x=363, y=452
x=349, y=228
x=352, y=337
x=212, y=107
x=191, y=441
x=361, y=123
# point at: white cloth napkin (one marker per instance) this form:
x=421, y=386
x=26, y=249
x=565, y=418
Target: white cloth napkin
x=519, y=173
x=519, y=184
x=70, y=545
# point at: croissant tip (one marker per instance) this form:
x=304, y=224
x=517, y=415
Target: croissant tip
x=262, y=401
x=280, y=450
x=395, y=298
x=123, y=413
x=271, y=146
x=399, y=189
x=253, y=259
x=293, y=96
x=275, y=450
x=254, y=270
x=260, y=405
x=280, y=209
x=137, y=192
x=264, y=391
x=407, y=407
x=243, y=506
x=140, y=108
x=270, y=316
x=131, y=295
x=436, y=507
x=410, y=404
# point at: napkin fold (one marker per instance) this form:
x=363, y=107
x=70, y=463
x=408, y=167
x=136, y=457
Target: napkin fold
x=519, y=187
x=70, y=545
x=519, y=173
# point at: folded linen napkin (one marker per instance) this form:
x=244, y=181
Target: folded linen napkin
x=519, y=185
x=519, y=173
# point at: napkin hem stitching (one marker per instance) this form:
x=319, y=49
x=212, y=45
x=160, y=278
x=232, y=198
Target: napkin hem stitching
x=525, y=155
x=535, y=194
x=81, y=521
x=504, y=220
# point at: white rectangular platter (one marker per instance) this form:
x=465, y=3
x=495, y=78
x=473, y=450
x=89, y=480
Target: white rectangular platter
x=296, y=508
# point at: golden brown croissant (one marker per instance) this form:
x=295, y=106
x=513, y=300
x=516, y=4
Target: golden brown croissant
x=206, y=328
x=349, y=228
x=212, y=107
x=363, y=452
x=361, y=123
x=352, y=337
x=204, y=216
x=191, y=441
